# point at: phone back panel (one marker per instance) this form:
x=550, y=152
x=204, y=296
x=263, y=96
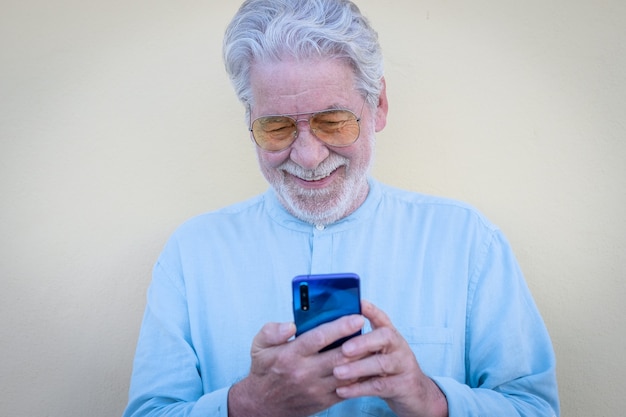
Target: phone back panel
x=330, y=296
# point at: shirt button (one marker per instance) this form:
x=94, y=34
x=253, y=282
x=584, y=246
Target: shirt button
x=320, y=227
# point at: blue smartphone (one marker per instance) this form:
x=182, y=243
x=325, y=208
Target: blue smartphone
x=322, y=298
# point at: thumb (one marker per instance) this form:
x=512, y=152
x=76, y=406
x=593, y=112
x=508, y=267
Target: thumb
x=273, y=334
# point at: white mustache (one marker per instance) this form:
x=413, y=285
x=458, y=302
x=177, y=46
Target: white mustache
x=323, y=170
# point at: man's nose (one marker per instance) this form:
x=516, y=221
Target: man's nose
x=308, y=151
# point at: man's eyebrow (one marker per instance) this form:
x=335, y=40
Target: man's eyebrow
x=330, y=107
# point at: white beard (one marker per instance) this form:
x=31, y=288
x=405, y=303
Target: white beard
x=322, y=206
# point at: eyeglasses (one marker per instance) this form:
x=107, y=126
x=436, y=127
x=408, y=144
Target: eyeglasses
x=335, y=127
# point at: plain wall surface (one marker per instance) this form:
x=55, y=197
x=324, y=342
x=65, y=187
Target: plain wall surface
x=117, y=123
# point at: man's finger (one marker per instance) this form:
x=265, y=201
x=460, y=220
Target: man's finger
x=273, y=334
x=321, y=336
x=376, y=316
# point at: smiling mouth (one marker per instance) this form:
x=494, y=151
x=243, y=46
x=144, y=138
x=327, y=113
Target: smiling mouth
x=318, y=177
x=321, y=178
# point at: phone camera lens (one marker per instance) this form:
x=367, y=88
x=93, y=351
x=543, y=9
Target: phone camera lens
x=304, y=296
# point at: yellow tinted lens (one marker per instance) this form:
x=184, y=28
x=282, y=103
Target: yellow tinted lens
x=336, y=127
x=274, y=132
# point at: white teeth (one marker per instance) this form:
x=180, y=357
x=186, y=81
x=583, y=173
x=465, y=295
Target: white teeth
x=317, y=178
x=308, y=175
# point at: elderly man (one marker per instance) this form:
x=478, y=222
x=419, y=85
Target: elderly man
x=450, y=328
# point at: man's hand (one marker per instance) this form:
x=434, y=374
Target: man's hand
x=290, y=378
x=388, y=369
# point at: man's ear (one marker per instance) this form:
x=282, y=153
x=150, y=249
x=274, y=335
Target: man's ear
x=382, y=108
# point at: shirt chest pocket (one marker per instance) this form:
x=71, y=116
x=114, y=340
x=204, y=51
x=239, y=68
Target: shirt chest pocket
x=432, y=346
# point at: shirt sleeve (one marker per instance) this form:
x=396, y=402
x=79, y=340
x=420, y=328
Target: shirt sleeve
x=510, y=364
x=166, y=378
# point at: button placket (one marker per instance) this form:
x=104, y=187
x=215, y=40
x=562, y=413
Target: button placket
x=321, y=251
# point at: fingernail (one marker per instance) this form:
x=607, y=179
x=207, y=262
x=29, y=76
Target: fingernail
x=348, y=348
x=357, y=321
x=285, y=328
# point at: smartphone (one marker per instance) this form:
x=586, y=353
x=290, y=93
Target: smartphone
x=322, y=298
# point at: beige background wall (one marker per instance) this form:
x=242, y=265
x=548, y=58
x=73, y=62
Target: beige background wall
x=117, y=123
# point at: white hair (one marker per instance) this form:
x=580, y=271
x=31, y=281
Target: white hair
x=268, y=30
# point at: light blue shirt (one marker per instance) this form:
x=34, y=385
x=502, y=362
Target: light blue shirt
x=445, y=276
